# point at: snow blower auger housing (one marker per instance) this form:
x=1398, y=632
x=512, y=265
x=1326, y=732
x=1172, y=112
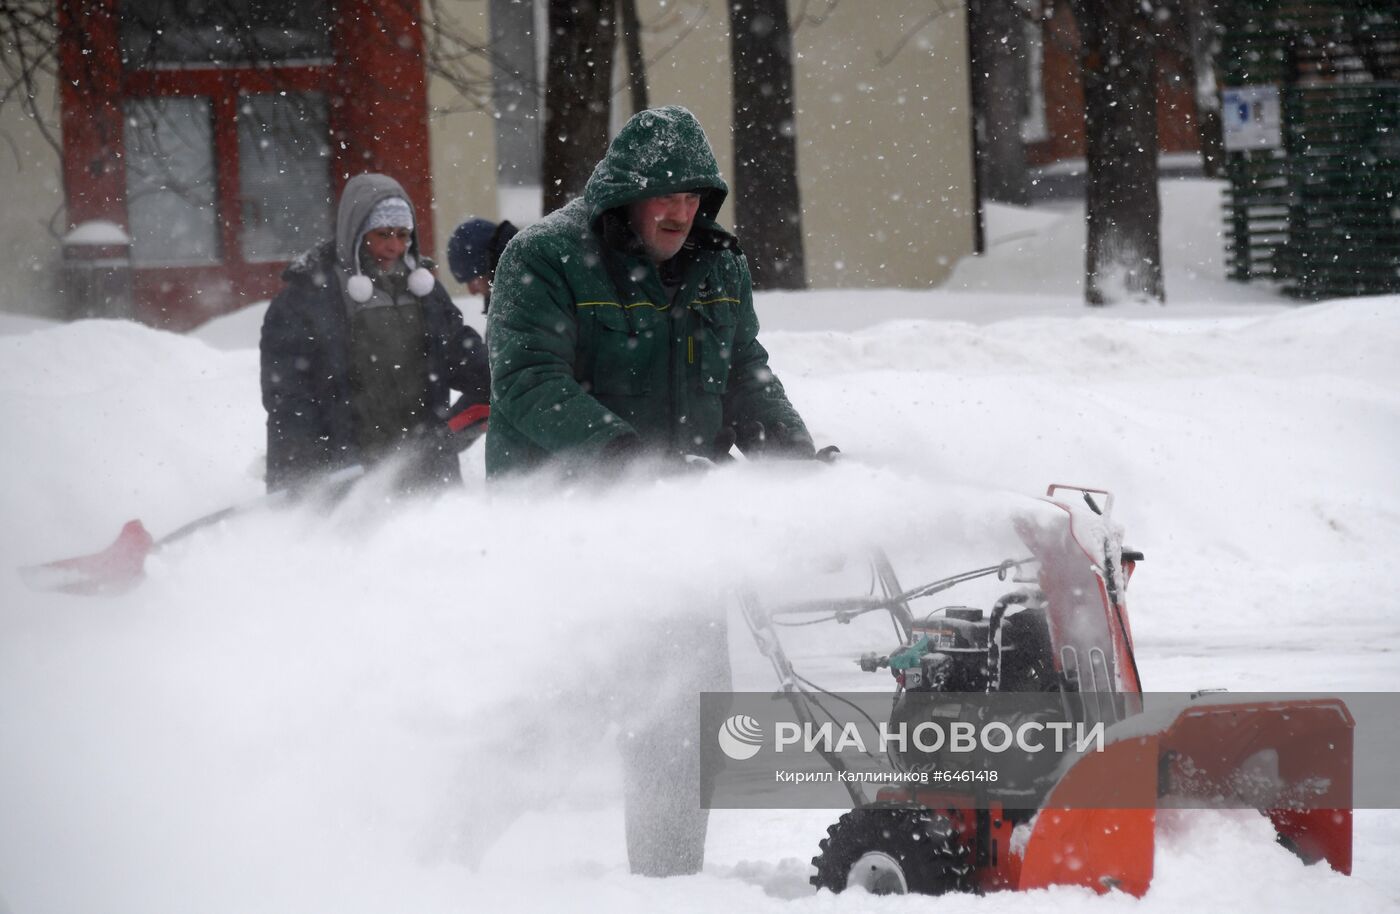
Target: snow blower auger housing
x=1064, y=643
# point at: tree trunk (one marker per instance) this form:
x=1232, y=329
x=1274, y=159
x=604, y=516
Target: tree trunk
x=578, y=95
x=1124, y=249
x=632, y=45
x=998, y=90
x=1204, y=40
x=767, y=209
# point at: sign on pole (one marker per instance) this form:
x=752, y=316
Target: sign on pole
x=1252, y=118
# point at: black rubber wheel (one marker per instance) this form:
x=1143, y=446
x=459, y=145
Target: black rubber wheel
x=892, y=850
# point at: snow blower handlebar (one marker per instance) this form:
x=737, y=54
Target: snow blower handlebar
x=845, y=609
x=1088, y=494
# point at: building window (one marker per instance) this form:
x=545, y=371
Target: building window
x=184, y=33
x=228, y=143
x=283, y=173
x=170, y=181
x=218, y=131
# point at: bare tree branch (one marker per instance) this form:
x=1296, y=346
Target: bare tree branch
x=941, y=8
x=666, y=22
x=29, y=37
x=463, y=61
x=818, y=19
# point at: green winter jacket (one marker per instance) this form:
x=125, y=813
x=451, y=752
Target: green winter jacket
x=585, y=347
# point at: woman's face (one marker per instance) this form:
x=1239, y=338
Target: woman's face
x=387, y=245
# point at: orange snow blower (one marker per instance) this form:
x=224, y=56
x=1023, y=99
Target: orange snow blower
x=1063, y=647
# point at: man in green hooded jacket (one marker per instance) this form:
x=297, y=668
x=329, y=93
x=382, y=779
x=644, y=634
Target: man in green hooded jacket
x=623, y=325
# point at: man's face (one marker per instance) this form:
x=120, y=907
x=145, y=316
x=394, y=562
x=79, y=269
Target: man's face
x=663, y=223
x=386, y=245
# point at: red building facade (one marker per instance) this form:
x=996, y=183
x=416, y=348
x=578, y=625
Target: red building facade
x=220, y=139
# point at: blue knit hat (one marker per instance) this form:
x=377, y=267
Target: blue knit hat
x=476, y=246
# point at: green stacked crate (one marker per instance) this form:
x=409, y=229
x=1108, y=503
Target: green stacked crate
x=1321, y=211
x=1344, y=220
x=1257, y=204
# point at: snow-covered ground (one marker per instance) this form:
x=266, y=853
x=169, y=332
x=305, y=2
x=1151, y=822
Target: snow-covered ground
x=299, y=712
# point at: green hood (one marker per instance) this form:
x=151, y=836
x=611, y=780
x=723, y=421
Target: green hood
x=659, y=151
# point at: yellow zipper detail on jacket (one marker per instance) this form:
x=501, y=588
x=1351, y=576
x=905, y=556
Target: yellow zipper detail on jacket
x=628, y=307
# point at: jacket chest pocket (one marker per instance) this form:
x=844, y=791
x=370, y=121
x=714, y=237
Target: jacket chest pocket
x=624, y=347
x=712, y=345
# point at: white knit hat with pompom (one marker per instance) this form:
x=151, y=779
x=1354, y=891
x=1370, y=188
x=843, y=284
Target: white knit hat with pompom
x=391, y=212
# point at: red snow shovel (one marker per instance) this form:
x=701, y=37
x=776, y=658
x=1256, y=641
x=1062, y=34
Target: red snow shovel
x=121, y=565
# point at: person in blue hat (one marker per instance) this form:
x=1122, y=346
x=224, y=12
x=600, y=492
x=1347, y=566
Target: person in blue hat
x=473, y=252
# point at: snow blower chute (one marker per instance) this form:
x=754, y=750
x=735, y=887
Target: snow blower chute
x=1064, y=644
